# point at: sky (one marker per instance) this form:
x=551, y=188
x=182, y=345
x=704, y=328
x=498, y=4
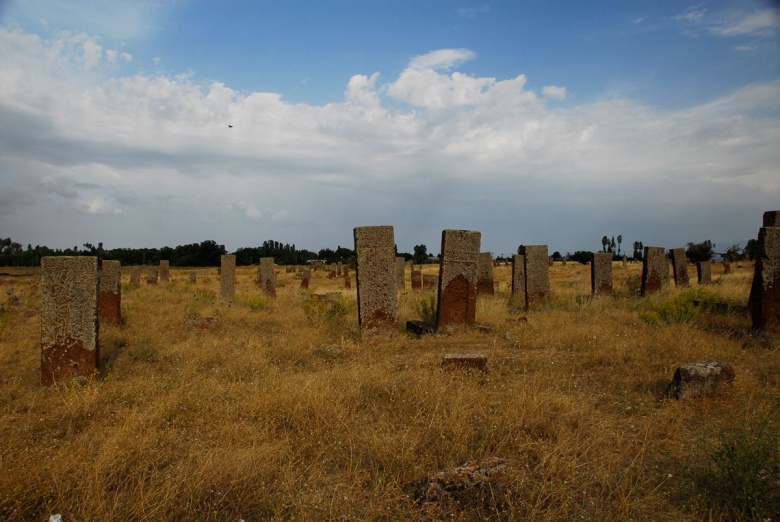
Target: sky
x=166, y=122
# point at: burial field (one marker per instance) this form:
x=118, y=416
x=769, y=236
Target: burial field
x=267, y=399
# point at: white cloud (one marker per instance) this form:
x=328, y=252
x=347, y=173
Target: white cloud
x=554, y=92
x=764, y=22
x=442, y=59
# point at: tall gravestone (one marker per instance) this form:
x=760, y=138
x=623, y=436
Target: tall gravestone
x=69, y=318
x=679, y=267
x=537, y=277
x=485, y=274
x=267, y=276
x=305, y=279
x=165, y=271
x=704, y=272
x=765, y=292
x=518, y=278
x=193, y=277
x=417, y=279
x=458, y=278
x=151, y=275
x=653, y=269
x=430, y=281
x=400, y=280
x=601, y=274
x=227, y=278
x=110, y=292
x=376, y=282
x=135, y=276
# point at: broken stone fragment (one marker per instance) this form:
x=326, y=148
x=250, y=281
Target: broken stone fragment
x=463, y=483
x=700, y=379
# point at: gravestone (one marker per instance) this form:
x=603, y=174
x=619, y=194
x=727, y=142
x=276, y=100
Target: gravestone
x=416, y=279
x=305, y=279
x=193, y=277
x=485, y=274
x=400, y=265
x=69, y=318
x=679, y=267
x=653, y=267
x=704, y=272
x=267, y=277
x=726, y=266
x=457, y=278
x=430, y=280
x=601, y=274
x=165, y=271
x=151, y=275
x=375, y=273
x=111, y=292
x=537, y=277
x=467, y=361
x=765, y=291
x=625, y=261
x=332, y=271
x=135, y=276
x=227, y=278
x=518, y=278
x=700, y=379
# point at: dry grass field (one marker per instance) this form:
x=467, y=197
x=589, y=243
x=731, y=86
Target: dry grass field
x=280, y=409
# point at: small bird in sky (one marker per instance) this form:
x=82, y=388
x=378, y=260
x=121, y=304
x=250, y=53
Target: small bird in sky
x=230, y=126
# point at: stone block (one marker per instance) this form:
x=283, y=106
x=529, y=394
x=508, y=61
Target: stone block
x=266, y=277
x=518, y=278
x=679, y=267
x=165, y=271
x=704, y=272
x=376, y=281
x=485, y=274
x=700, y=379
x=417, y=279
x=430, y=280
x=227, y=278
x=765, y=291
x=457, y=296
x=653, y=267
x=601, y=274
x=151, y=275
x=306, y=276
x=135, y=276
x=193, y=277
x=400, y=279
x=69, y=318
x=467, y=361
x=111, y=292
x=537, y=277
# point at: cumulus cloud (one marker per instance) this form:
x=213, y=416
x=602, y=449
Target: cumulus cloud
x=153, y=156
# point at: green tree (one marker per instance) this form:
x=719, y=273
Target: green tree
x=420, y=254
x=700, y=251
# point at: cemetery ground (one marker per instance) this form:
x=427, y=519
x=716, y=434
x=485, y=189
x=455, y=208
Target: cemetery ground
x=282, y=409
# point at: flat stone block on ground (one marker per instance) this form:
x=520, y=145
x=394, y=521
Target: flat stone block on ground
x=700, y=379
x=468, y=361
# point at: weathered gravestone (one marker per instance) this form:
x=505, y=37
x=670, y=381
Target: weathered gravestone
x=726, y=266
x=332, y=271
x=69, y=318
x=266, y=276
x=135, y=276
x=227, y=278
x=679, y=266
x=601, y=274
x=347, y=282
x=537, y=277
x=416, y=279
x=704, y=272
x=765, y=292
x=485, y=274
x=305, y=279
x=518, y=278
x=165, y=271
x=457, y=278
x=111, y=292
x=430, y=280
x=467, y=361
x=653, y=267
x=375, y=272
x=193, y=277
x=700, y=379
x=625, y=261
x=151, y=275
x=400, y=265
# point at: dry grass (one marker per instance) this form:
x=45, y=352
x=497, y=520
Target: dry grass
x=281, y=409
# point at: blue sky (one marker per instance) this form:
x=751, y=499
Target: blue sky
x=534, y=122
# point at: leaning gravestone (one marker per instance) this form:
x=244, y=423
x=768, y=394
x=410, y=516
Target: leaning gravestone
x=151, y=275
x=653, y=267
x=704, y=272
x=375, y=273
x=458, y=278
x=601, y=274
x=537, y=277
x=135, y=276
x=485, y=274
x=165, y=271
x=518, y=278
x=110, y=292
x=765, y=292
x=266, y=276
x=227, y=278
x=417, y=278
x=679, y=267
x=69, y=318
x=400, y=265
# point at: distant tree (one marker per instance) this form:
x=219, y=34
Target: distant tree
x=604, y=243
x=751, y=249
x=700, y=251
x=581, y=256
x=638, y=251
x=734, y=253
x=612, y=244
x=557, y=256
x=420, y=254
x=620, y=241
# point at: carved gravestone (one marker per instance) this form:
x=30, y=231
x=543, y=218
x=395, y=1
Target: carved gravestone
x=704, y=272
x=69, y=318
x=266, y=276
x=537, y=277
x=765, y=292
x=227, y=278
x=457, y=278
x=518, y=278
x=305, y=279
x=417, y=279
x=653, y=267
x=679, y=267
x=375, y=272
x=400, y=265
x=485, y=274
x=165, y=271
x=151, y=275
x=111, y=292
x=601, y=274
x=135, y=276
